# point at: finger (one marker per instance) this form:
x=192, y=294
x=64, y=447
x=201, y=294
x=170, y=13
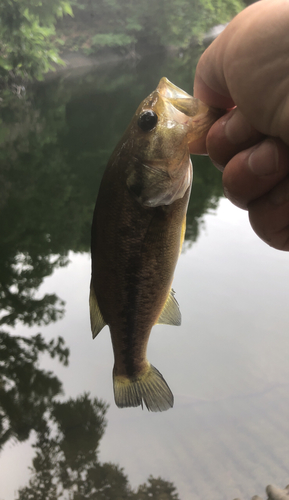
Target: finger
x=254, y=172
x=230, y=72
x=228, y=136
x=217, y=98
x=269, y=216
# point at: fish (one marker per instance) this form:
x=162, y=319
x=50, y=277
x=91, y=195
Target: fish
x=137, y=233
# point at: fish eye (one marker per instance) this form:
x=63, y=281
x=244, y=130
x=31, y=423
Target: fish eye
x=147, y=120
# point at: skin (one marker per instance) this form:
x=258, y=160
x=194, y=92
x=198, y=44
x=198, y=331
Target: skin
x=247, y=67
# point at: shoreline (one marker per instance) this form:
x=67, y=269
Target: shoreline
x=80, y=63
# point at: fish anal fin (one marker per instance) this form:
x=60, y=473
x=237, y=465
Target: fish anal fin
x=149, y=388
x=171, y=314
x=96, y=320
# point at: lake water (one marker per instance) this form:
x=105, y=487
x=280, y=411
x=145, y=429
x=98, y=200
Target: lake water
x=227, y=364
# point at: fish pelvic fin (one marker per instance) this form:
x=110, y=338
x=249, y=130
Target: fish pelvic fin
x=149, y=388
x=96, y=320
x=171, y=314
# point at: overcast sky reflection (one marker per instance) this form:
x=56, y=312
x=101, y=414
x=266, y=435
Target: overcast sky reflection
x=227, y=366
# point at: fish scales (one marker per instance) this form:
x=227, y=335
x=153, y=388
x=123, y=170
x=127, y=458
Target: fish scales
x=137, y=234
x=144, y=279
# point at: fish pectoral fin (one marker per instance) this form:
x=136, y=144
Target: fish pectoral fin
x=96, y=320
x=149, y=388
x=171, y=314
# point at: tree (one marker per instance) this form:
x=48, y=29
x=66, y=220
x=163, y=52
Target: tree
x=27, y=36
x=123, y=25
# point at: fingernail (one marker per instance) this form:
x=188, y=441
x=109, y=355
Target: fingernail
x=280, y=194
x=264, y=158
x=237, y=129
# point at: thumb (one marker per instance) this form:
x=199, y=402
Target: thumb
x=216, y=93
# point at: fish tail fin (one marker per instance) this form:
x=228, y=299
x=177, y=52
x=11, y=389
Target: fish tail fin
x=149, y=388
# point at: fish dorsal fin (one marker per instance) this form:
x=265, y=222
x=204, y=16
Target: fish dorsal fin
x=96, y=320
x=171, y=314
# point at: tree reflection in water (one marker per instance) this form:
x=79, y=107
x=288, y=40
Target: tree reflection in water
x=26, y=391
x=68, y=433
x=50, y=171
x=66, y=463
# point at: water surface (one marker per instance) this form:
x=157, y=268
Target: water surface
x=227, y=365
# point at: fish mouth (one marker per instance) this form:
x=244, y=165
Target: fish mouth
x=195, y=114
x=171, y=91
x=179, y=99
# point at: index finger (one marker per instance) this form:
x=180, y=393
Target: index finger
x=217, y=99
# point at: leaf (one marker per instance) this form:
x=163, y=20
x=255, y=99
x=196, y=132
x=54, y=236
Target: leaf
x=5, y=64
x=67, y=9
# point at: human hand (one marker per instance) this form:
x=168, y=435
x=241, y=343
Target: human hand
x=248, y=66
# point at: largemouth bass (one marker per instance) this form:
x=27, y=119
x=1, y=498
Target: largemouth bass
x=137, y=234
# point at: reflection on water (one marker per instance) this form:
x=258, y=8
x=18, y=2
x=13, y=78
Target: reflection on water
x=66, y=459
x=226, y=435
x=55, y=145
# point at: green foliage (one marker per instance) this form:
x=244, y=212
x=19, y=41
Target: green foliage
x=30, y=44
x=112, y=40
x=27, y=36
x=142, y=24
